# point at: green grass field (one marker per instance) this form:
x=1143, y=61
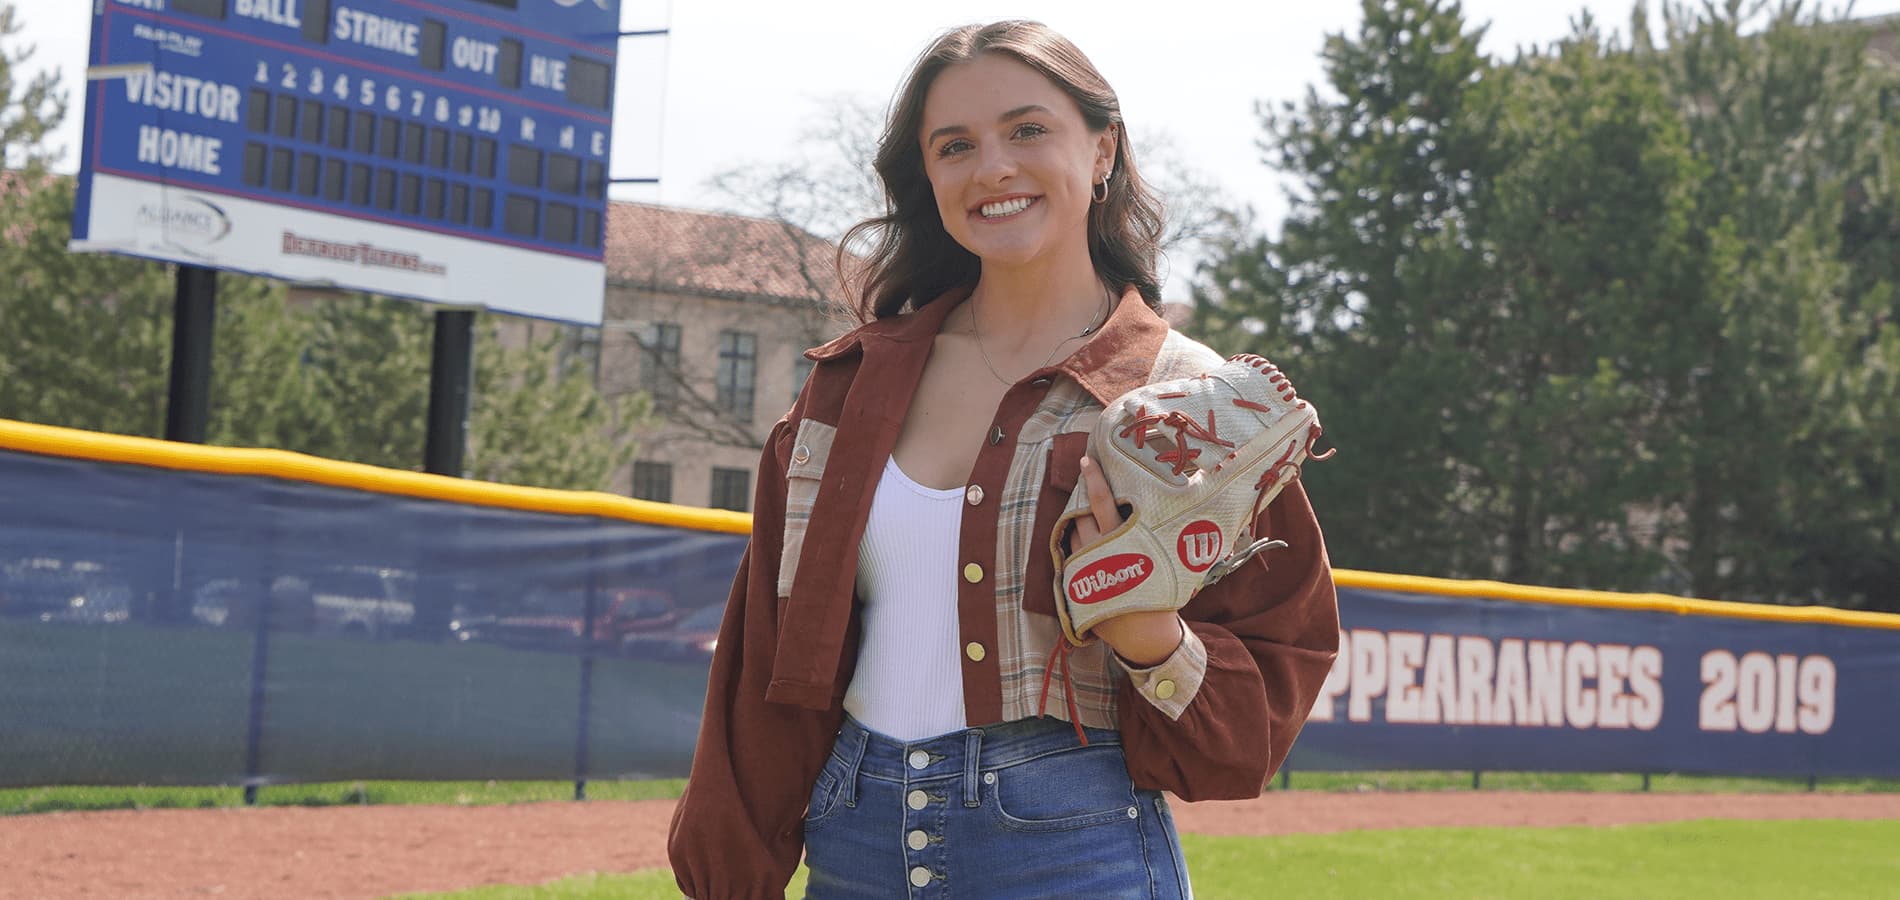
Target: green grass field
x=1735, y=860
x=21, y=801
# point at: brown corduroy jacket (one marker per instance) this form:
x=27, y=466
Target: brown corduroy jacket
x=1259, y=646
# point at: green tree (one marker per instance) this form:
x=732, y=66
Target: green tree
x=1361, y=295
x=1605, y=315
x=28, y=111
x=1581, y=230
x=86, y=338
x=1760, y=378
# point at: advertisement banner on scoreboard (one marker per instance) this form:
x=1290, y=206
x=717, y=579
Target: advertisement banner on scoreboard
x=453, y=151
x=1436, y=682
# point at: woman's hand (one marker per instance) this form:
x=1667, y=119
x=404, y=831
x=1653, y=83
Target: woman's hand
x=1141, y=639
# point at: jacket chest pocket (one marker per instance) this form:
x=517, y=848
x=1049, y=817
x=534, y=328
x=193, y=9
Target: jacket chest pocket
x=1059, y=478
x=805, y=471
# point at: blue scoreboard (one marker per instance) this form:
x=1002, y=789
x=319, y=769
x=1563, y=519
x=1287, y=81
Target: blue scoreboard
x=446, y=150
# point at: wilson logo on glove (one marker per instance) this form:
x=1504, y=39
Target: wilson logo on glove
x=1110, y=577
x=1199, y=545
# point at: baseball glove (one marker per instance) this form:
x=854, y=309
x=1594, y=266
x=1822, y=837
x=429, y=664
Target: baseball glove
x=1195, y=461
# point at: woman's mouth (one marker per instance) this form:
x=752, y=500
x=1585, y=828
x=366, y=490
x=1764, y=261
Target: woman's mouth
x=1003, y=209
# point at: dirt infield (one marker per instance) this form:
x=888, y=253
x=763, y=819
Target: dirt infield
x=374, y=851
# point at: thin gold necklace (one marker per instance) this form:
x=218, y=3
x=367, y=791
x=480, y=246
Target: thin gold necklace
x=977, y=328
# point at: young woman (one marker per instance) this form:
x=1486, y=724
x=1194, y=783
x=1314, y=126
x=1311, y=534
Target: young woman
x=878, y=695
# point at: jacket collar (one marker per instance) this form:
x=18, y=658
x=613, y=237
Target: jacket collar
x=1116, y=360
x=1121, y=356
x=919, y=324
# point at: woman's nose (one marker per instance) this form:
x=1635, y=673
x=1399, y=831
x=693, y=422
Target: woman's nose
x=995, y=165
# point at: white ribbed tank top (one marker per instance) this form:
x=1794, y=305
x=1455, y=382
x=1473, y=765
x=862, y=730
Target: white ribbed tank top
x=909, y=680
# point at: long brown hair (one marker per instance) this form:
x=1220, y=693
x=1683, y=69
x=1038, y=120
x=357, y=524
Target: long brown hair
x=913, y=259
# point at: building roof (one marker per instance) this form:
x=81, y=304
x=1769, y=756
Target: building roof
x=718, y=254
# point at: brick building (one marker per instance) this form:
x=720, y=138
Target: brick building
x=710, y=313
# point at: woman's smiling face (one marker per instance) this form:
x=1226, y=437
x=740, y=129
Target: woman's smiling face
x=1011, y=161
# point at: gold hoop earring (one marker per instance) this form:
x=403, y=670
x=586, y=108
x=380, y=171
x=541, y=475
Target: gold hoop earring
x=1103, y=196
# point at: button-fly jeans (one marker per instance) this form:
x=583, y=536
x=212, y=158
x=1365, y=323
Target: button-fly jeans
x=1020, y=809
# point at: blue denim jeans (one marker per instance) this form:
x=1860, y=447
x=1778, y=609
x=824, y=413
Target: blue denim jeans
x=1019, y=809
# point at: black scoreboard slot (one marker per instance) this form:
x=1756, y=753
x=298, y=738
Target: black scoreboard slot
x=280, y=172
x=564, y=174
x=434, y=44
x=254, y=164
x=359, y=184
x=458, y=204
x=412, y=195
x=462, y=153
x=257, y=111
x=590, y=228
x=563, y=223
x=432, y=199
x=333, y=183
x=521, y=217
x=385, y=189
x=485, y=157
x=339, y=128
x=388, y=137
x=307, y=167
x=484, y=208
x=595, y=184
x=413, y=142
x=312, y=122
x=524, y=167
x=210, y=9
x=285, y=117
x=508, y=64
x=316, y=21
x=438, y=148
x=363, y=132
x=589, y=82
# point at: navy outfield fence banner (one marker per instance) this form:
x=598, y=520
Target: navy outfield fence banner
x=1629, y=684
x=180, y=614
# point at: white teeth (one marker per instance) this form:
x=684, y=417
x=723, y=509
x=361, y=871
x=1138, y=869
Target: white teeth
x=1005, y=208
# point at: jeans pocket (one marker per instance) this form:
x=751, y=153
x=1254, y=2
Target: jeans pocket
x=824, y=796
x=1078, y=788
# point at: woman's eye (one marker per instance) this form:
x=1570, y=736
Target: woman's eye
x=1030, y=129
x=952, y=147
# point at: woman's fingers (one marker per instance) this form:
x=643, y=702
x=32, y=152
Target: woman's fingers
x=1101, y=499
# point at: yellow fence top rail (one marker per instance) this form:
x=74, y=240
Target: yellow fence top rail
x=47, y=440
x=115, y=448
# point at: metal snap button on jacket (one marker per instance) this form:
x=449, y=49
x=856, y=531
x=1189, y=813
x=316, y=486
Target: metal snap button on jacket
x=919, y=876
x=975, y=651
x=919, y=759
x=917, y=799
x=801, y=454
x=1165, y=688
x=918, y=840
x=972, y=573
x=973, y=494
x=996, y=435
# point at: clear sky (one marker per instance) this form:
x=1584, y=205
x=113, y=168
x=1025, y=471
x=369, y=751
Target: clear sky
x=735, y=79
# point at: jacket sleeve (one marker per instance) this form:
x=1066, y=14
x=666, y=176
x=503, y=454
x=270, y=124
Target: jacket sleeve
x=738, y=831
x=1258, y=647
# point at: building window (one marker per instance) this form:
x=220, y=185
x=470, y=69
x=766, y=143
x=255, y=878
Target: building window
x=801, y=370
x=738, y=365
x=660, y=364
x=731, y=489
x=653, y=481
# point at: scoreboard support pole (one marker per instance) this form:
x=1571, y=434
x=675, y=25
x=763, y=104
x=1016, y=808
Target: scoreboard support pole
x=451, y=371
x=194, y=307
